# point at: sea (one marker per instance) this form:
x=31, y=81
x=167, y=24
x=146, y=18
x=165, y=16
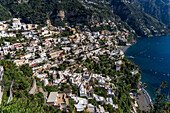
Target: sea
x=153, y=57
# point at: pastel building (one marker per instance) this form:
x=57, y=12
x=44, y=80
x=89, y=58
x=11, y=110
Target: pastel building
x=16, y=24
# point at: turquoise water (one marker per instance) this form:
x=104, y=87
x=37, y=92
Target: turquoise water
x=153, y=57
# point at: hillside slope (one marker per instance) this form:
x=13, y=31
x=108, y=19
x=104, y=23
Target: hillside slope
x=159, y=9
x=5, y=14
x=38, y=11
x=86, y=11
x=142, y=23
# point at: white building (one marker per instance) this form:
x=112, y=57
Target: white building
x=16, y=25
x=82, y=91
x=98, y=98
x=81, y=103
x=21, y=62
x=46, y=82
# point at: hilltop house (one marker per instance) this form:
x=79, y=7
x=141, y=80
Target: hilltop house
x=16, y=24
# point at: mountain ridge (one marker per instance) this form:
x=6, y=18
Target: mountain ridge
x=159, y=9
x=142, y=23
x=85, y=11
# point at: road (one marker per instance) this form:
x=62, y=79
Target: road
x=10, y=95
x=144, y=100
x=1, y=93
x=34, y=88
x=125, y=48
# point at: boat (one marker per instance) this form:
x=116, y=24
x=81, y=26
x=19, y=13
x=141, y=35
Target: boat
x=131, y=57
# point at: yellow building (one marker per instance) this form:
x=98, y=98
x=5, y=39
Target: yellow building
x=1, y=27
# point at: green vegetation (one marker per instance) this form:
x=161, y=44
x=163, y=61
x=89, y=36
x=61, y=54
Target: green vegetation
x=100, y=92
x=27, y=105
x=64, y=65
x=12, y=40
x=123, y=80
x=142, y=23
x=5, y=14
x=93, y=102
x=160, y=103
x=159, y=9
x=22, y=100
x=27, y=71
x=38, y=11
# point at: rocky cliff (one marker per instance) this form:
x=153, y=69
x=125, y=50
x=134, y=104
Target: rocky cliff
x=159, y=9
x=141, y=22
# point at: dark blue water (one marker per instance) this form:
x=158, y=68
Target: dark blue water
x=153, y=57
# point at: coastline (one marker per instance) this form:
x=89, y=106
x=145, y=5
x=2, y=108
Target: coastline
x=153, y=36
x=148, y=97
x=144, y=100
x=125, y=48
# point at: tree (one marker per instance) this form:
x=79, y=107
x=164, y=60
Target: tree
x=23, y=84
x=8, y=56
x=160, y=105
x=27, y=71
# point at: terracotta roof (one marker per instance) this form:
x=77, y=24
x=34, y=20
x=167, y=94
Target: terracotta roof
x=61, y=99
x=62, y=56
x=21, y=56
x=34, y=65
x=57, y=52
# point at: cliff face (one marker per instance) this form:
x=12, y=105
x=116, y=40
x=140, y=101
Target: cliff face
x=121, y=10
x=142, y=23
x=69, y=16
x=159, y=9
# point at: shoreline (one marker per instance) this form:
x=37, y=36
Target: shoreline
x=145, y=100
x=125, y=48
x=153, y=36
x=148, y=97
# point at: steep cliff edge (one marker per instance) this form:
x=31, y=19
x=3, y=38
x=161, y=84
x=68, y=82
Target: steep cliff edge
x=159, y=9
x=142, y=23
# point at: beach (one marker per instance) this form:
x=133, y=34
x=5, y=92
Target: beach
x=153, y=57
x=125, y=48
x=144, y=100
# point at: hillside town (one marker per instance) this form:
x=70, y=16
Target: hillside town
x=61, y=57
